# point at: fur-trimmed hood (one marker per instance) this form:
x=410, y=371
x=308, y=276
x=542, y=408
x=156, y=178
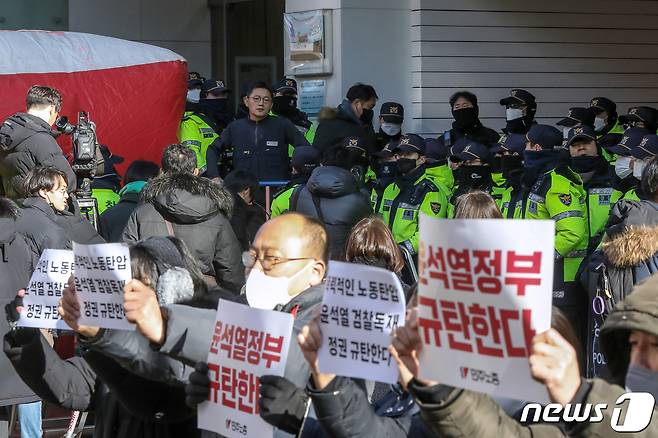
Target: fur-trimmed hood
x=187, y=198
x=631, y=233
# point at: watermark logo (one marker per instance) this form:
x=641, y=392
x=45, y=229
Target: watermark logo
x=633, y=418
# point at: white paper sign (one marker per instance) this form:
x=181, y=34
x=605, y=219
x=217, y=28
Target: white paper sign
x=45, y=290
x=246, y=344
x=362, y=305
x=101, y=271
x=485, y=290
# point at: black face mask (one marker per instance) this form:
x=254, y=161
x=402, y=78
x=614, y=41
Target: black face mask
x=512, y=169
x=218, y=109
x=465, y=118
x=472, y=177
x=585, y=164
x=385, y=169
x=517, y=126
x=406, y=165
x=367, y=116
x=496, y=164
x=284, y=105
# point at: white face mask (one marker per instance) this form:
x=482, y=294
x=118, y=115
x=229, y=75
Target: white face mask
x=266, y=292
x=599, y=123
x=565, y=132
x=623, y=167
x=391, y=129
x=513, y=113
x=193, y=95
x=638, y=167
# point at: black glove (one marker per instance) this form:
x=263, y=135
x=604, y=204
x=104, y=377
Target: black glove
x=198, y=389
x=10, y=310
x=282, y=404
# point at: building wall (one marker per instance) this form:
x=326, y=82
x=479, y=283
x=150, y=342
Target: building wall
x=183, y=27
x=564, y=52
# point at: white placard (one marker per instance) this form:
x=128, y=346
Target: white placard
x=485, y=290
x=101, y=271
x=362, y=305
x=45, y=290
x=246, y=344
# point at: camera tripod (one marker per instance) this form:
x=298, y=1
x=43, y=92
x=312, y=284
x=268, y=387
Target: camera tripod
x=87, y=204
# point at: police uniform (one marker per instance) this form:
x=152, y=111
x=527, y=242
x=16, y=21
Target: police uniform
x=611, y=133
x=601, y=195
x=437, y=168
x=471, y=177
x=629, y=141
x=385, y=175
x=558, y=194
x=519, y=98
x=410, y=195
x=390, y=113
x=511, y=196
x=197, y=130
x=287, y=87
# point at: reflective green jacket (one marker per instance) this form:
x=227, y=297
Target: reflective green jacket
x=559, y=195
x=105, y=198
x=196, y=134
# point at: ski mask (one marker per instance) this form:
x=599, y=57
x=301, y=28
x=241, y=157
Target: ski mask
x=465, y=118
x=284, y=105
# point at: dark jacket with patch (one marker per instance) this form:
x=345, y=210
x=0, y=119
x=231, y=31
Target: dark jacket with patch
x=32, y=145
x=198, y=211
x=341, y=123
x=332, y=195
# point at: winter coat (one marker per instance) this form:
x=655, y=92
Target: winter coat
x=125, y=406
x=198, y=211
x=477, y=132
x=189, y=333
x=78, y=227
x=17, y=261
x=246, y=220
x=332, y=195
x=114, y=219
x=342, y=410
x=38, y=222
x=628, y=255
x=341, y=123
x=32, y=145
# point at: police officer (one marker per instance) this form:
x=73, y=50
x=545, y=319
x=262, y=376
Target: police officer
x=358, y=158
x=609, y=130
x=411, y=193
x=260, y=141
x=304, y=160
x=597, y=176
x=284, y=104
x=391, y=117
x=642, y=153
x=520, y=109
x=384, y=166
x=105, y=188
x=436, y=166
x=641, y=117
x=194, y=83
x=511, y=198
x=557, y=193
x=472, y=169
x=624, y=179
x=466, y=114
x=578, y=116
x=209, y=117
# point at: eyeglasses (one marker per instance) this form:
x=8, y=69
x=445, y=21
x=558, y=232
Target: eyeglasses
x=259, y=99
x=267, y=262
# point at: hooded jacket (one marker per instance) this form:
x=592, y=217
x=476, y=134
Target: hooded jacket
x=198, y=211
x=341, y=123
x=31, y=145
x=332, y=195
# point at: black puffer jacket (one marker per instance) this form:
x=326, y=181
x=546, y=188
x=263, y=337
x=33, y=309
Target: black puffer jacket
x=32, y=145
x=125, y=405
x=198, y=210
x=17, y=261
x=114, y=219
x=38, y=222
x=342, y=123
x=332, y=195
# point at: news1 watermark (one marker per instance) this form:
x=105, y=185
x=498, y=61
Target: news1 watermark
x=634, y=417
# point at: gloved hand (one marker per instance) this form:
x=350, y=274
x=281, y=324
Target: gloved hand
x=13, y=308
x=282, y=404
x=198, y=388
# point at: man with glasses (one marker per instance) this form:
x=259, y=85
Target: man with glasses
x=260, y=141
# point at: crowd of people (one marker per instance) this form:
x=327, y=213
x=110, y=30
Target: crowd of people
x=201, y=228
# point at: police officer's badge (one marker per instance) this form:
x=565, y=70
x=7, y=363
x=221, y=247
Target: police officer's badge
x=565, y=199
x=436, y=207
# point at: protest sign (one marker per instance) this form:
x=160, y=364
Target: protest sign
x=247, y=343
x=485, y=290
x=362, y=305
x=101, y=271
x=45, y=290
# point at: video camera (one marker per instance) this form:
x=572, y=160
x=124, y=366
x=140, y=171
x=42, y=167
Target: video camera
x=87, y=160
